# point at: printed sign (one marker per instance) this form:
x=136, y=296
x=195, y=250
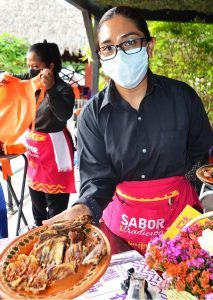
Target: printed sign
x=187, y=214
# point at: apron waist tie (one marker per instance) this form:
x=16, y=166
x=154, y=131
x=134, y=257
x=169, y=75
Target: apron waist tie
x=61, y=151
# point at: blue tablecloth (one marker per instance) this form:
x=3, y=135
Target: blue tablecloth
x=3, y=216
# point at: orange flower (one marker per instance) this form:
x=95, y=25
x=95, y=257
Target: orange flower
x=167, y=265
x=184, y=268
x=177, y=270
x=204, y=280
x=173, y=270
x=191, y=276
x=196, y=290
x=180, y=284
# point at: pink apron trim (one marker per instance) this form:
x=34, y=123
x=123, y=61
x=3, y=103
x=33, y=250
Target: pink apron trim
x=43, y=174
x=142, y=210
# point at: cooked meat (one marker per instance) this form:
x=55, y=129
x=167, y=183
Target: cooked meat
x=26, y=274
x=68, y=225
x=208, y=173
x=61, y=271
x=60, y=250
x=46, y=235
x=16, y=270
x=76, y=236
x=51, y=252
x=95, y=256
x=76, y=252
x=91, y=242
x=38, y=282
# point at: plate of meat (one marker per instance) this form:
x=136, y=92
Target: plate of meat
x=205, y=174
x=60, y=261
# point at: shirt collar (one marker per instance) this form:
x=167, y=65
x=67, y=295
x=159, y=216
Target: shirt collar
x=152, y=82
x=110, y=92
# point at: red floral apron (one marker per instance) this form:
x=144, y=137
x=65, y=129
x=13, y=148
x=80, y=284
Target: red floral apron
x=50, y=167
x=142, y=210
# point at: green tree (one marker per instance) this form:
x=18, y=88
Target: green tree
x=184, y=51
x=12, y=53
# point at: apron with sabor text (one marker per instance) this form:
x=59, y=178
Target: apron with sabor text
x=142, y=210
x=50, y=162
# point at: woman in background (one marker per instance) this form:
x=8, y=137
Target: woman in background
x=49, y=148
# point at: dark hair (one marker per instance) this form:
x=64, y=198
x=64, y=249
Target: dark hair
x=48, y=53
x=132, y=13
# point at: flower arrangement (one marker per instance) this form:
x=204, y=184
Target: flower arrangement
x=185, y=266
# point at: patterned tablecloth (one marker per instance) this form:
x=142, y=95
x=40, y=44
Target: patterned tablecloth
x=109, y=286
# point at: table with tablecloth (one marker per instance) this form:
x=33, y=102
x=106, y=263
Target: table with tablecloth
x=123, y=258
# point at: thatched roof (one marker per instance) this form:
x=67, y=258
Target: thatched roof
x=54, y=20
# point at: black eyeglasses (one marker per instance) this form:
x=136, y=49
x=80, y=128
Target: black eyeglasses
x=129, y=47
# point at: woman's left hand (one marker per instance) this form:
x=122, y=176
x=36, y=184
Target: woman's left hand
x=47, y=77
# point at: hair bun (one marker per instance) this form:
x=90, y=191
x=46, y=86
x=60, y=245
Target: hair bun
x=45, y=41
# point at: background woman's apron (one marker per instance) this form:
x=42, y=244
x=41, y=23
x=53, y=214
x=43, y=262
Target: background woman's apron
x=142, y=210
x=50, y=162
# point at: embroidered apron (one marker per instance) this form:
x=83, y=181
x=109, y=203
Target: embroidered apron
x=50, y=162
x=142, y=210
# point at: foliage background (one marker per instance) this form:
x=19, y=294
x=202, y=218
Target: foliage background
x=12, y=53
x=183, y=51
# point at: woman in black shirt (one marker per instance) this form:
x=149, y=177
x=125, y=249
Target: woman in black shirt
x=49, y=147
x=138, y=137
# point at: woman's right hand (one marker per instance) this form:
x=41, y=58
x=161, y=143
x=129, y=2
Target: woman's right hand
x=70, y=214
x=3, y=78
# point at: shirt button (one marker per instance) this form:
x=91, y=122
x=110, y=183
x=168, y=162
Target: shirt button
x=143, y=176
x=144, y=150
x=139, y=118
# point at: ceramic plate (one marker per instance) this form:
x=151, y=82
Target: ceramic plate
x=66, y=288
x=201, y=174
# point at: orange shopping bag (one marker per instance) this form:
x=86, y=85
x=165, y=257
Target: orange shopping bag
x=18, y=107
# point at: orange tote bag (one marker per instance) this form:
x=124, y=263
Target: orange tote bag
x=18, y=107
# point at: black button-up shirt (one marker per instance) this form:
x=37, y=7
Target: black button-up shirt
x=168, y=134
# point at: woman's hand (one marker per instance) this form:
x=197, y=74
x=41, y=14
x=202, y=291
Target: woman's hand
x=47, y=77
x=70, y=214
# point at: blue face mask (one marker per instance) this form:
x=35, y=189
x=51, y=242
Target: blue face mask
x=127, y=70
